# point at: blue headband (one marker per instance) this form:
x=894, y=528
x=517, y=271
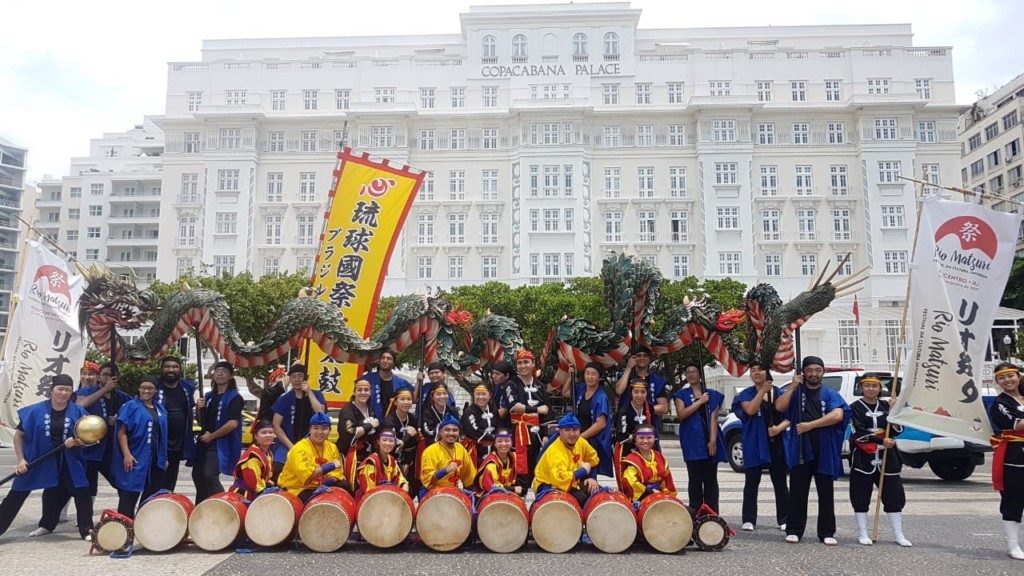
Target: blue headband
x=320, y=419
x=449, y=420
x=568, y=421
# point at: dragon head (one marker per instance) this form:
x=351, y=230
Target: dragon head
x=114, y=298
x=730, y=319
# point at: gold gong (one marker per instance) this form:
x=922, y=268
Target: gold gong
x=91, y=429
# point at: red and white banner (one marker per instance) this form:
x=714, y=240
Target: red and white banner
x=44, y=339
x=960, y=267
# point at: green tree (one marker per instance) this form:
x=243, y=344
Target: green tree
x=1013, y=295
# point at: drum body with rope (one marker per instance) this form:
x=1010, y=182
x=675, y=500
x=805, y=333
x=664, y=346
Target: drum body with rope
x=556, y=521
x=385, y=516
x=272, y=517
x=665, y=522
x=502, y=522
x=162, y=521
x=610, y=521
x=445, y=518
x=710, y=533
x=218, y=521
x=327, y=520
x=113, y=533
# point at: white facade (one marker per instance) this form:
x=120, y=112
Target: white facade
x=107, y=210
x=12, y=189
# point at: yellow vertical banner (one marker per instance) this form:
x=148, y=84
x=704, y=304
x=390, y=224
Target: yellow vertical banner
x=366, y=211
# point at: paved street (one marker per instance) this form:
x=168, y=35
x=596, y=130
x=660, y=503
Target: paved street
x=955, y=528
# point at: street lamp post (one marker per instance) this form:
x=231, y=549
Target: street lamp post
x=1007, y=341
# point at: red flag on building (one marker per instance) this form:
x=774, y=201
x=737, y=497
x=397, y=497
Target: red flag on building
x=856, y=311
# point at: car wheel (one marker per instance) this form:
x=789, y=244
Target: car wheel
x=952, y=469
x=736, y=453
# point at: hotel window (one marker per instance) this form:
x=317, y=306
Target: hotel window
x=308, y=141
x=227, y=180
x=428, y=139
x=771, y=225
x=728, y=217
x=428, y=97
x=611, y=46
x=926, y=132
x=520, y=48
x=489, y=228
x=456, y=266
x=425, y=229
x=223, y=265
x=878, y=85
x=798, y=90
x=923, y=86
x=769, y=180
x=580, y=51
x=458, y=97
x=723, y=130
x=611, y=136
x=679, y=224
x=489, y=138
x=275, y=187
x=275, y=141
x=609, y=94
x=234, y=97
x=273, y=229
x=613, y=227
x=773, y=265
x=230, y=138
x=189, y=188
x=889, y=172
x=680, y=266
x=424, y=267
x=838, y=184
x=310, y=99
x=675, y=92
x=427, y=189
x=806, y=224
x=895, y=261
x=885, y=128
x=226, y=223
x=342, y=98
x=645, y=136
x=677, y=181
x=842, y=226
x=612, y=182
x=729, y=263
x=801, y=133
x=307, y=186
x=725, y=172
x=643, y=92
x=489, y=267
x=306, y=224
x=490, y=96
x=676, y=135
x=489, y=49
x=720, y=88
x=764, y=90
x=766, y=134
x=803, y=180
x=833, y=90
x=808, y=264
x=382, y=136
x=383, y=95
x=457, y=185
x=271, y=265
x=457, y=139
x=195, y=100
x=646, y=226
x=893, y=216
x=489, y=184
x=836, y=132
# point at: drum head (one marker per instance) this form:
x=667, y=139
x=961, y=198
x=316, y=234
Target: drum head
x=611, y=527
x=214, y=525
x=324, y=527
x=443, y=522
x=711, y=534
x=667, y=526
x=502, y=527
x=113, y=536
x=384, y=519
x=270, y=520
x=161, y=525
x=557, y=526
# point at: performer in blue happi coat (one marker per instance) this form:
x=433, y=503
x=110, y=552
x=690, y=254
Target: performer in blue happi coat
x=384, y=384
x=42, y=427
x=593, y=411
x=761, y=436
x=292, y=412
x=220, y=442
x=104, y=399
x=140, y=448
x=638, y=367
x=700, y=438
x=177, y=395
x=814, y=445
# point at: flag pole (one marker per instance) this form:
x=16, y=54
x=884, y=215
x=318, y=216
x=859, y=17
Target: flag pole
x=894, y=396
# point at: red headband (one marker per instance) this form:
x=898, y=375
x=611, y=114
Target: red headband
x=524, y=354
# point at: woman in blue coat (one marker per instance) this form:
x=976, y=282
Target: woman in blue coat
x=593, y=411
x=700, y=438
x=140, y=449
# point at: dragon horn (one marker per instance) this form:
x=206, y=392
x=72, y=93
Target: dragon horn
x=83, y=271
x=821, y=275
x=838, y=268
x=185, y=286
x=849, y=284
x=852, y=279
x=848, y=291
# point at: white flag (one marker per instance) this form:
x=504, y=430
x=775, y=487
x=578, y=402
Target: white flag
x=963, y=259
x=44, y=339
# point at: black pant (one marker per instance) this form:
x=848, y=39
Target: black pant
x=206, y=473
x=893, y=496
x=93, y=469
x=532, y=452
x=799, y=488
x=752, y=481
x=169, y=476
x=276, y=468
x=1011, y=500
x=128, y=501
x=54, y=500
x=702, y=483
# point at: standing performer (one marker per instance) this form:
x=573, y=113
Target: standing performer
x=638, y=367
x=631, y=416
x=479, y=420
x=384, y=383
x=220, y=441
x=268, y=395
x=498, y=472
x=88, y=376
x=436, y=375
x=645, y=470
x=292, y=411
x=313, y=461
x=1007, y=416
x=814, y=448
x=446, y=463
x=700, y=438
x=42, y=427
x=103, y=400
x=501, y=373
x=594, y=413
x=526, y=399
x=254, y=470
x=176, y=394
x=434, y=412
x=357, y=429
x=407, y=436
x=761, y=435
x=568, y=463
x=381, y=467
x=870, y=415
x=140, y=448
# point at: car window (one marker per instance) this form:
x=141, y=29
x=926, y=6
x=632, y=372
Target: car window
x=833, y=382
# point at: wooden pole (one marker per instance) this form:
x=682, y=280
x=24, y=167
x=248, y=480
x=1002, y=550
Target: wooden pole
x=893, y=397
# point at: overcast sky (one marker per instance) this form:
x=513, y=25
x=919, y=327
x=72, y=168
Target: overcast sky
x=70, y=71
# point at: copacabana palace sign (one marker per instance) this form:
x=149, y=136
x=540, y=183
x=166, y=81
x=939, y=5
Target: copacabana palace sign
x=516, y=70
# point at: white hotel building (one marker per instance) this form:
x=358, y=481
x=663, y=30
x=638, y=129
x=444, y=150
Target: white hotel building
x=554, y=134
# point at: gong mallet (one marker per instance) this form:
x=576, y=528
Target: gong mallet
x=89, y=430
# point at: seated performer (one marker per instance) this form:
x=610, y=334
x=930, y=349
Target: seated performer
x=446, y=463
x=498, y=472
x=408, y=440
x=313, y=461
x=568, y=463
x=478, y=422
x=41, y=427
x=255, y=469
x=357, y=429
x=645, y=470
x=1007, y=416
x=634, y=414
x=140, y=448
x=381, y=467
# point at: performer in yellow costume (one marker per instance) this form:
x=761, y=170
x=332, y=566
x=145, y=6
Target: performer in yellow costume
x=313, y=461
x=447, y=462
x=568, y=463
